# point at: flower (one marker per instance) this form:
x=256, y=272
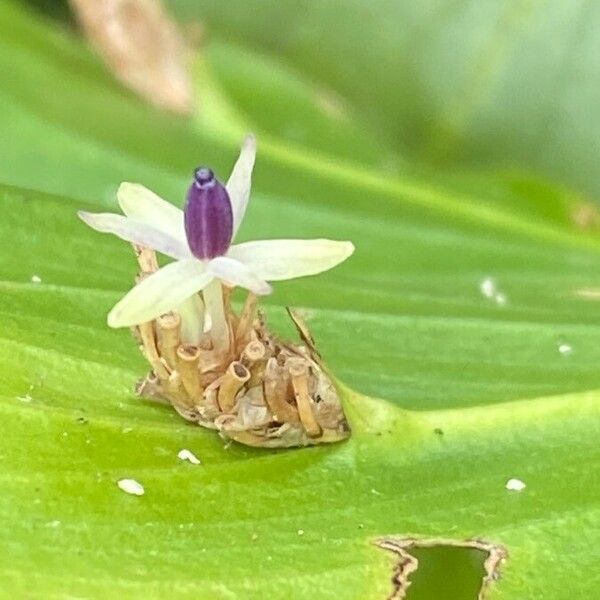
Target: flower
x=199, y=238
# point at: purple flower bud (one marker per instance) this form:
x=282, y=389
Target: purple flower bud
x=207, y=215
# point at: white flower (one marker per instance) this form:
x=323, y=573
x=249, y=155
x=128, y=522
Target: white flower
x=154, y=223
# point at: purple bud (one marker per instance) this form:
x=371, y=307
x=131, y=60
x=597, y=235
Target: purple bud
x=207, y=215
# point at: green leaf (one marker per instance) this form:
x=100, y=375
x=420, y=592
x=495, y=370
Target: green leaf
x=478, y=83
x=449, y=393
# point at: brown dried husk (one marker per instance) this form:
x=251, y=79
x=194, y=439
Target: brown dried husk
x=262, y=392
x=143, y=47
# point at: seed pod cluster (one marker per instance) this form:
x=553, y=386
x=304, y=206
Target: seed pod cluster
x=261, y=392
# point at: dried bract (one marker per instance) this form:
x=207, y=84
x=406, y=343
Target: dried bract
x=261, y=393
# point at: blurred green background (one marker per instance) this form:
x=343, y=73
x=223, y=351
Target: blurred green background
x=504, y=85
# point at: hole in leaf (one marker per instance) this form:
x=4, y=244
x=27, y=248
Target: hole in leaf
x=447, y=572
x=437, y=569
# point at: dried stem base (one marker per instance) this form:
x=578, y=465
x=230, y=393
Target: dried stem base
x=261, y=392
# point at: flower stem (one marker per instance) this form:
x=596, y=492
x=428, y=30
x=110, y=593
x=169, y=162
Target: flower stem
x=215, y=312
x=192, y=319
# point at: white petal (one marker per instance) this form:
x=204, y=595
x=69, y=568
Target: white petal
x=136, y=232
x=141, y=204
x=274, y=260
x=234, y=272
x=159, y=293
x=240, y=181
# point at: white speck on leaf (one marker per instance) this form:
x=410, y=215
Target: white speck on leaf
x=25, y=398
x=300, y=531
x=500, y=299
x=565, y=349
x=375, y=492
x=489, y=290
x=515, y=485
x=488, y=287
x=131, y=486
x=189, y=456
x=53, y=524
x=127, y=429
x=36, y=279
